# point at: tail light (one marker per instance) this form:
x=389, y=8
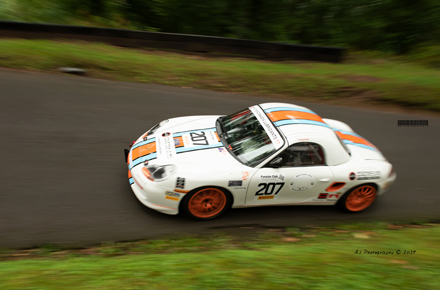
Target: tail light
x=391, y=171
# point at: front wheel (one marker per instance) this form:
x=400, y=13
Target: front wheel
x=358, y=199
x=206, y=203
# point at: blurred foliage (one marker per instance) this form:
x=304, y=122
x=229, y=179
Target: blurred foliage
x=426, y=54
x=395, y=26
x=368, y=77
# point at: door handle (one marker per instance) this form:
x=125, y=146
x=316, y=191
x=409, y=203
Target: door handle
x=324, y=180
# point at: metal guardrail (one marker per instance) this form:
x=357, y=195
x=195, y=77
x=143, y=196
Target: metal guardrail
x=183, y=42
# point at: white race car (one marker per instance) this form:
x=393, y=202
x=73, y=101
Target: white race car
x=268, y=154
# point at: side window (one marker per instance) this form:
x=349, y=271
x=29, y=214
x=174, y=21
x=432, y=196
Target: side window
x=303, y=154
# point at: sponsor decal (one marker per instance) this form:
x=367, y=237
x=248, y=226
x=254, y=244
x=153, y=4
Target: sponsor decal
x=180, y=182
x=266, y=197
x=302, y=139
x=302, y=182
x=172, y=193
x=245, y=175
x=177, y=142
x=273, y=134
x=272, y=177
x=332, y=197
x=240, y=188
x=165, y=146
x=328, y=197
x=235, y=183
x=352, y=176
x=368, y=175
x=222, y=150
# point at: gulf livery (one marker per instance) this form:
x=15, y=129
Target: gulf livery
x=267, y=154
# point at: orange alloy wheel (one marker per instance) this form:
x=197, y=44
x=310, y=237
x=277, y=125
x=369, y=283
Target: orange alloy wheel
x=207, y=203
x=361, y=198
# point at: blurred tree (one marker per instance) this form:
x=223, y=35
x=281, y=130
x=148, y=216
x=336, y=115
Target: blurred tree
x=388, y=25
x=90, y=7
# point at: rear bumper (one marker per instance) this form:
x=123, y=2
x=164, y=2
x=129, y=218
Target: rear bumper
x=386, y=184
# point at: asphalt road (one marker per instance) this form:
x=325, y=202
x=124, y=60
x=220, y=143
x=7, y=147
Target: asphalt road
x=63, y=178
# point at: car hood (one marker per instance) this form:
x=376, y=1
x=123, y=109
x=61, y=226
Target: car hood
x=185, y=140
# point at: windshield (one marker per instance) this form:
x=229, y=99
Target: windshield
x=245, y=138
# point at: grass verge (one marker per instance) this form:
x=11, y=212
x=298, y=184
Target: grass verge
x=360, y=80
x=356, y=256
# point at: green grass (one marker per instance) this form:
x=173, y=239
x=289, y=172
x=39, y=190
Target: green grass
x=362, y=78
x=317, y=258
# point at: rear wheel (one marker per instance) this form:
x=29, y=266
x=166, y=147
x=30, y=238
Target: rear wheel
x=206, y=203
x=359, y=198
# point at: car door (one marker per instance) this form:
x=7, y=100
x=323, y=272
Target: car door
x=303, y=175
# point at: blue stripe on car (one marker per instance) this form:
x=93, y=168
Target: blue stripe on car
x=360, y=145
x=288, y=109
x=299, y=121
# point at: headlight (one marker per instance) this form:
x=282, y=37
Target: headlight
x=158, y=172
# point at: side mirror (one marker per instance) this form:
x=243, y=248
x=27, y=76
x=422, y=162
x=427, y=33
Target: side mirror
x=276, y=162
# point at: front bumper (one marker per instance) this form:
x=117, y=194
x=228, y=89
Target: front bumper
x=145, y=200
x=155, y=195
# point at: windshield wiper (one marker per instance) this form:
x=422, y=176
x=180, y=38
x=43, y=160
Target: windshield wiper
x=223, y=129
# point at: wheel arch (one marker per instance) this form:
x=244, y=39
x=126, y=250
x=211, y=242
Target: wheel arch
x=340, y=203
x=227, y=191
x=361, y=184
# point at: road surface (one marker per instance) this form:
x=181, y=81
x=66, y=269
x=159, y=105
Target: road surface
x=64, y=180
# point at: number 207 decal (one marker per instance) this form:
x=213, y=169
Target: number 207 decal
x=199, y=137
x=270, y=188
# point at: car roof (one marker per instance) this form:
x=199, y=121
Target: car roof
x=300, y=124
x=296, y=121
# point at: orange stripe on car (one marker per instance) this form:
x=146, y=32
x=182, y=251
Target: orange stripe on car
x=286, y=115
x=129, y=174
x=143, y=150
x=354, y=139
x=218, y=138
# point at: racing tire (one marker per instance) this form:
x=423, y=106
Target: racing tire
x=358, y=198
x=206, y=203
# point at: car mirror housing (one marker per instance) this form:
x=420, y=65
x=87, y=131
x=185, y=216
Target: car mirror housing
x=276, y=162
